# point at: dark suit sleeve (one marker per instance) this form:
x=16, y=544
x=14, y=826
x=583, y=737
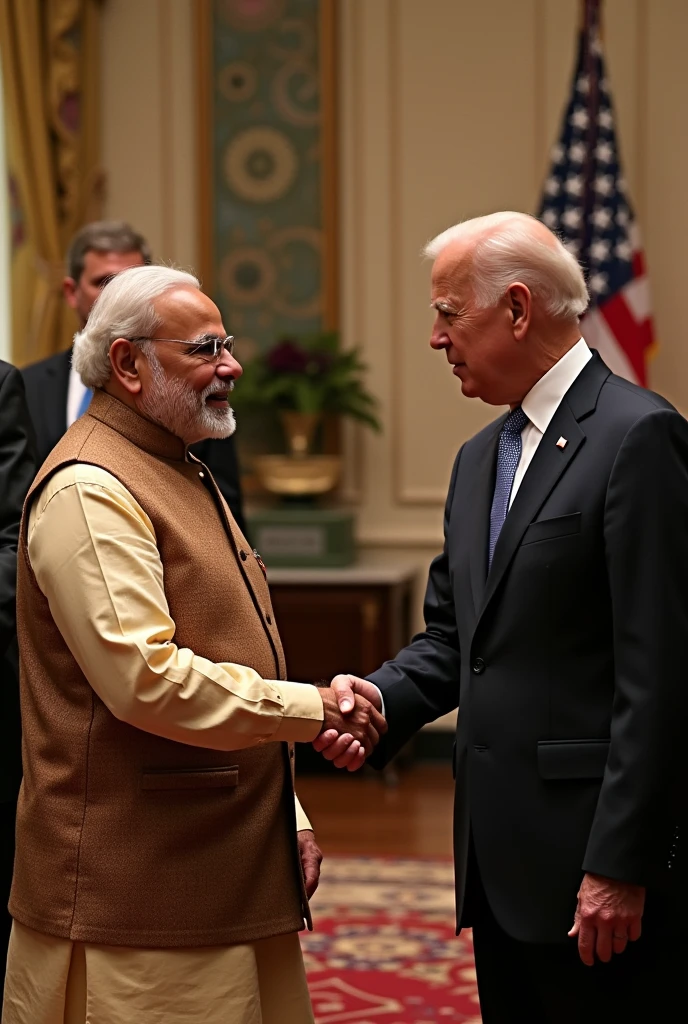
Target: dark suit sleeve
x=646, y=539
x=17, y=470
x=220, y=457
x=422, y=682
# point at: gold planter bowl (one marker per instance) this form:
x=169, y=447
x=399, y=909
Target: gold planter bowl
x=298, y=475
x=301, y=476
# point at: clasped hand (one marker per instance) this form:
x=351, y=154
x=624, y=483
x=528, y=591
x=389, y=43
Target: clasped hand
x=352, y=724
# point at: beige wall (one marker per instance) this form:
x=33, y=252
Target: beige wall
x=148, y=127
x=448, y=110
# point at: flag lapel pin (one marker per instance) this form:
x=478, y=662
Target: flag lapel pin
x=261, y=563
x=562, y=442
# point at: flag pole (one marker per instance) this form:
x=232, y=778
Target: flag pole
x=591, y=23
x=584, y=14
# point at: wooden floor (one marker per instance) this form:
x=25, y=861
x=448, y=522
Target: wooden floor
x=366, y=816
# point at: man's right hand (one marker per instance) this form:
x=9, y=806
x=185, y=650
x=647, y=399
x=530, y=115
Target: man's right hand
x=338, y=742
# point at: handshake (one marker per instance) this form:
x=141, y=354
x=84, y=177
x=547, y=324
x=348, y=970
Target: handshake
x=353, y=721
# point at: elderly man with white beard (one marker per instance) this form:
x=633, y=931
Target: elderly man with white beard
x=163, y=865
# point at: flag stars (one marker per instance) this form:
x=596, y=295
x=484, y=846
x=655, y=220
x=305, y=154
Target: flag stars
x=557, y=153
x=604, y=184
x=622, y=216
x=583, y=84
x=577, y=152
x=604, y=118
x=602, y=217
x=598, y=283
x=549, y=216
x=572, y=217
x=552, y=186
x=579, y=117
x=604, y=152
x=572, y=245
x=624, y=250
x=600, y=249
x=574, y=184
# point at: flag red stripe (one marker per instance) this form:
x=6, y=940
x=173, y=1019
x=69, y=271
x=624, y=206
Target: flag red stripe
x=633, y=337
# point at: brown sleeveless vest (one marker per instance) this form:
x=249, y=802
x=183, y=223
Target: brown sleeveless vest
x=125, y=838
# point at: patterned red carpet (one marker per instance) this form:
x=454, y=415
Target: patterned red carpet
x=384, y=949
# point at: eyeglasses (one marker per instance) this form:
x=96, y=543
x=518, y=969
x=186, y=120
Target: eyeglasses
x=209, y=347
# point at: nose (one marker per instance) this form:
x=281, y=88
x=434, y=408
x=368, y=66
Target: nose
x=228, y=366
x=438, y=337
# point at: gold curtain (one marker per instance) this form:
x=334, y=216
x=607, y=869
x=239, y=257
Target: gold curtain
x=50, y=79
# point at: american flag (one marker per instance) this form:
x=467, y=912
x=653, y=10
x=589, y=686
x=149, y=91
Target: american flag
x=585, y=202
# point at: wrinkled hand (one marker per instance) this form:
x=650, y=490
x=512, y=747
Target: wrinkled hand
x=311, y=859
x=342, y=747
x=608, y=916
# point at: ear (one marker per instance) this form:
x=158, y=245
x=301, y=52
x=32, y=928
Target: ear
x=520, y=308
x=125, y=358
x=69, y=287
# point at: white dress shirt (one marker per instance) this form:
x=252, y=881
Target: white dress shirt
x=543, y=400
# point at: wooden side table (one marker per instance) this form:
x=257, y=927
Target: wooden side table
x=340, y=620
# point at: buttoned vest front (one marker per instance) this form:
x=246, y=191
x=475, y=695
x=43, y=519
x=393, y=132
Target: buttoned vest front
x=123, y=837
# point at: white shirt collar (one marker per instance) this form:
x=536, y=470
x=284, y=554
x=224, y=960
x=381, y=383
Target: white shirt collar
x=544, y=398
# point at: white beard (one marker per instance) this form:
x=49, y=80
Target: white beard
x=171, y=403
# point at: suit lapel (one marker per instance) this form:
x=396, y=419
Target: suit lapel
x=478, y=517
x=547, y=466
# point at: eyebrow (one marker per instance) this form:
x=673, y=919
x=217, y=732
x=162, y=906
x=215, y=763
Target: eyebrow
x=443, y=307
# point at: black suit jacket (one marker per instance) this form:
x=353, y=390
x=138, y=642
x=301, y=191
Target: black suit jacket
x=47, y=385
x=17, y=469
x=567, y=661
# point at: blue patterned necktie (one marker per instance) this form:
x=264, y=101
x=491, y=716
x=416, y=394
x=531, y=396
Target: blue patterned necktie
x=508, y=458
x=85, y=402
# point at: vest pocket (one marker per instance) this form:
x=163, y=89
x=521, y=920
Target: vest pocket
x=191, y=778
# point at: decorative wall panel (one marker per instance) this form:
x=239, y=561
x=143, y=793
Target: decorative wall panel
x=265, y=204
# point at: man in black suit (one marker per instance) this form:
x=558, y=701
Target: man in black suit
x=17, y=470
x=556, y=619
x=54, y=390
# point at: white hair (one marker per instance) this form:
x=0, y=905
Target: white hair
x=507, y=249
x=124, y=309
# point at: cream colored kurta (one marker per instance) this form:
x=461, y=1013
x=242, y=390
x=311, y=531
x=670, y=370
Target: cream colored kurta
x=94, y=553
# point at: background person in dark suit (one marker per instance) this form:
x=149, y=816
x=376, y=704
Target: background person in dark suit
x=556, y=619
x=17, y=469
x=54, y=390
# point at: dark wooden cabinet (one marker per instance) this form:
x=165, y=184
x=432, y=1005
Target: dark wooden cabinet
x=340, y=620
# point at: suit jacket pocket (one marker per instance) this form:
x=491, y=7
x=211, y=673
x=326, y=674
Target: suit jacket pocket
x=191, y=778
x=548, y=529
x=572, y=759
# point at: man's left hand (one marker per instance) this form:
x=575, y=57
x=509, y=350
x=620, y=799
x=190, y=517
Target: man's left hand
x=607, y=918
x=311, y=859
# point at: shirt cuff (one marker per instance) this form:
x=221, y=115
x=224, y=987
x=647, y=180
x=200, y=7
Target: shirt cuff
x=302, y=712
